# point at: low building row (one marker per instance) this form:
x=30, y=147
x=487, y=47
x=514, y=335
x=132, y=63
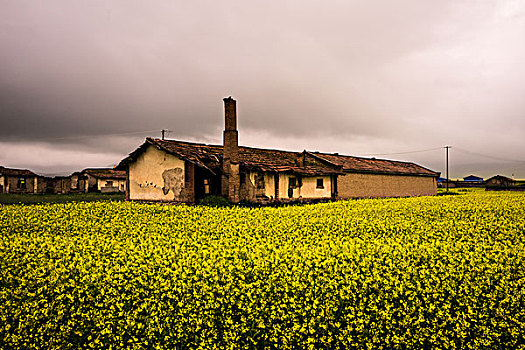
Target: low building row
x=104, y=180
x=477, y=181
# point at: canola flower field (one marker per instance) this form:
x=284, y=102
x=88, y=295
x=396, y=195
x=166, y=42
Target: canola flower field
x=429, y=272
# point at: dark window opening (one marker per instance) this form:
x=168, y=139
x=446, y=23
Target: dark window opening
x=109, y=183
x=243, y=178
x=259, y=180
x=21, y=183
x=292, y=182
x=320, y=183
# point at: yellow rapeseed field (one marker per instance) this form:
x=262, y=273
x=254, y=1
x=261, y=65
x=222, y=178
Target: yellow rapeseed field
x=431, y=272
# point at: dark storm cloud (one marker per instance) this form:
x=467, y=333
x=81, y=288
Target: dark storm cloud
x=354, y=77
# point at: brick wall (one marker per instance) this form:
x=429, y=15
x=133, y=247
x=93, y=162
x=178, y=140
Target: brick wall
x=230, y=166
x=371, y=185
x=188, y=192
x=12, y=182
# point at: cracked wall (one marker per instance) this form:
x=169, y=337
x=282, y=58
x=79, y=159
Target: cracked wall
x=156, y=176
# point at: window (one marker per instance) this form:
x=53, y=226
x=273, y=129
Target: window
x=207, y=186
x=259, y=180
x=292, y=183
x=109, y=183
x=21, y=183
x=243, y=178
x=320, y=183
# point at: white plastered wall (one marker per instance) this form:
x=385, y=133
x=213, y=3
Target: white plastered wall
x=146, y=180
x=307, y=190
x=120, y=183
x=269, y=183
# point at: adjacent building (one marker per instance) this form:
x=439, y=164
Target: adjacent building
x=59, y=185
x=20, y=181
x=105, y=180
x=178, y=171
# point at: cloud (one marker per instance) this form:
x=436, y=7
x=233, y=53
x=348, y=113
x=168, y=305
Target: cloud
x=47, y=159
x=372, y=77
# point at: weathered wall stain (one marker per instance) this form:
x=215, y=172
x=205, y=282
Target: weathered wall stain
x=174, y=181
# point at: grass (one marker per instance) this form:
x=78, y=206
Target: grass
x=10, y=198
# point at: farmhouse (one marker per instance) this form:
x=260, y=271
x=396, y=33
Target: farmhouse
x=167, y=170
x=103, y=180
x=20, y=181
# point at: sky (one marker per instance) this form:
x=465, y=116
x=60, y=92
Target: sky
x=82, y=83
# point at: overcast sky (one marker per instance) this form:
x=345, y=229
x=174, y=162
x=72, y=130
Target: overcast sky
x=82, y=83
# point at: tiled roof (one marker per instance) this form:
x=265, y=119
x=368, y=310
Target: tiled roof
x=371, y=165
x=280, y=161
x=501, y=177
x=206, y=156
x=105, y=173
x=210, y=157
x=16, y=172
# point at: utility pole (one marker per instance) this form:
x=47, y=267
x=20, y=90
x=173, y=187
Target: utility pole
x=447, y=147
x=163, y=132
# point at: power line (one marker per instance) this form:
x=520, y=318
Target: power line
x=94, y=136
x=488, y=156
x=407, y=152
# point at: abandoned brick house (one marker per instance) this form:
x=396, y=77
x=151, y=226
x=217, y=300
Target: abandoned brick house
x=167, y=170
x=20, y=181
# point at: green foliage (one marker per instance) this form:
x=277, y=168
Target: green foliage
x=215, y=201
x=13, y=198
x=433, y=272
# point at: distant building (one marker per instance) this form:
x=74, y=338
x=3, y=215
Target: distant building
x=78, y=182
x=103, y=180
x=442, y=182
x=20, y=181
x=500, y=180
x=473, y=179
x=60, y=184
x=167, y=170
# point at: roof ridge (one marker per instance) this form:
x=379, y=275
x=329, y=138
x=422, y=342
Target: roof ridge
x=186, y=142
x=221, y=146
x=368, y=158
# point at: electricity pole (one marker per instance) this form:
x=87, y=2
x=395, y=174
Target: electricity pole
x=163, y=131
x=447, y=147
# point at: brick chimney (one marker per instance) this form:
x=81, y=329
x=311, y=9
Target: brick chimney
x=230, y=158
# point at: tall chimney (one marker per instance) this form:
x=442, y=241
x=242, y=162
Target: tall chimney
x=231, y=179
